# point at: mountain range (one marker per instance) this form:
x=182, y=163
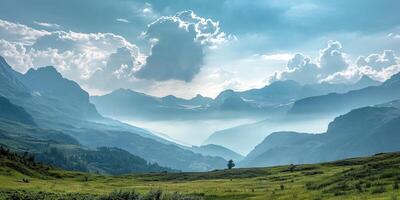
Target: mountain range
x=59, y=104
x=363, y=131
x=342, y=103
x=276, y=98
x=309, y=114
x=52, y=117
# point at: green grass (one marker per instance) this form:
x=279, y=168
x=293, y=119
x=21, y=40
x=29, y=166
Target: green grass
x=360, y=178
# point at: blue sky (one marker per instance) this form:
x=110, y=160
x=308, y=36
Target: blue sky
x=184, y=47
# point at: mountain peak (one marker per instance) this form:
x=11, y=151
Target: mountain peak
x=4, y=66
x=45, y=72
x=395, y=79
x=366, y=81
x=3, y=61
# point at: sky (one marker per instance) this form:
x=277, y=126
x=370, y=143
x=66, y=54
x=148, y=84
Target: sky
x=189, y=47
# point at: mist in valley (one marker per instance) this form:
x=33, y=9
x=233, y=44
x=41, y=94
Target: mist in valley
x=238, y=134
x=188, y=132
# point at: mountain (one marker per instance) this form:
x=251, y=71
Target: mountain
x=56, y=103
x=217, y=150
x=279, y=92
x=245, y=137
x=276, y=98
x=341, y=103
x=13, y=112
x=10, y=84
x=229, y=100
x=61, y=150
x=361, y=132
x=131, y=104
x=66, y=95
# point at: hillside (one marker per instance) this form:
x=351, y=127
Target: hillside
x=13, y=112
x=63, y=151
x=375, y=177
x=361, y=132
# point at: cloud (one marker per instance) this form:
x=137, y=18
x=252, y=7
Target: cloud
x=117, y=72
x=48, y=25
x=378, y=66
x=333, y=66
x=14, y=32
x=122, y=20
x=76, y=55
x=332, y=59
x=378, y=61
x=179, y=44
x=301, y=69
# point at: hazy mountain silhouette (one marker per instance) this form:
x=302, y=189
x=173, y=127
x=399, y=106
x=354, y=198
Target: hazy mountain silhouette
x=276, y=97
x=217, y=150
x=361, y=132
x=341, y=103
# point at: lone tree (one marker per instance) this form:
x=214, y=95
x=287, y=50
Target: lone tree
x=231, y=164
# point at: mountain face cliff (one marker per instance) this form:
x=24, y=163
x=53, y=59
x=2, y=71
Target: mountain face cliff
x=361, y=132
x=64, y=95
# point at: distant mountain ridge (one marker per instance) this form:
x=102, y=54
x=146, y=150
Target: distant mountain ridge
x=276, y=97
x=361, y=132
x=341, y=103
x=217, y=150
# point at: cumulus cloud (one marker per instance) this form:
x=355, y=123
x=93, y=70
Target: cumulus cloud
x=117, y=72
x=332, y=59
x=301, y=69
x=378, y=61
x=333, y=66
x=14, y=32
x=76, y=55
x=179, y=44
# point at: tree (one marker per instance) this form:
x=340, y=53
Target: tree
x=231, y=164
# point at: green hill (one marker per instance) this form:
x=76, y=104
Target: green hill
x=375, y=177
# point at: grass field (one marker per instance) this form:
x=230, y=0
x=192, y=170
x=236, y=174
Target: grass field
x=376, y=177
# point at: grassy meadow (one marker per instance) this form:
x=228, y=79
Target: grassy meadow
x=376, y=177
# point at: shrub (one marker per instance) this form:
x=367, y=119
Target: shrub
x=379, y=190
x=282, y=187
x=396, y=186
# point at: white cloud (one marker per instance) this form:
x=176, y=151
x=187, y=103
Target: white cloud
x=75, y=55
x=332, y=59
x=378, y=61
x=301, y=69
x=14, y=32
x=333, y=66
x=122, y=20
x=48, y=25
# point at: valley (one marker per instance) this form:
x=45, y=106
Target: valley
x=375, y=177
